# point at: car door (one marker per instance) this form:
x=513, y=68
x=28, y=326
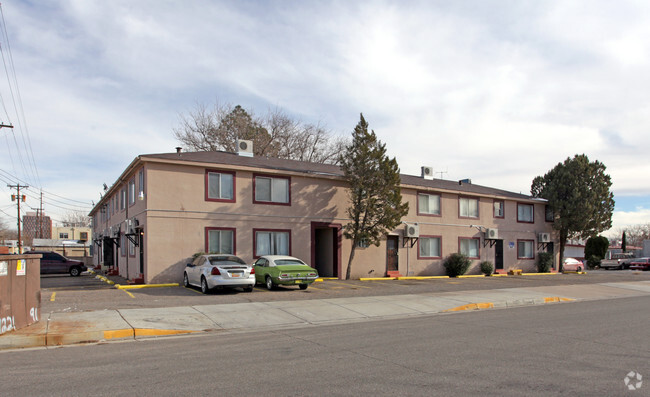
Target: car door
x=261, y=269
x=193, y=272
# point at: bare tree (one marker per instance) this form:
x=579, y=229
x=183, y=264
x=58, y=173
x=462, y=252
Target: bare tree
x=76, y=219
x=274, y=134
x=635, y=234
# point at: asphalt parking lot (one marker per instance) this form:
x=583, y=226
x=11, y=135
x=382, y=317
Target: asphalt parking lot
x=62, y=293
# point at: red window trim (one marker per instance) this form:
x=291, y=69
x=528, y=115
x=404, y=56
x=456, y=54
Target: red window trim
x=503, y=206
x=255, y=255
x=430, y=257
x=478, y=207
x=417, y=203
x=471, y=238
x=128, y=193
x=207, y=190
x=255, y=201
x=523, y=257
x=529, y=222
x=234, y=237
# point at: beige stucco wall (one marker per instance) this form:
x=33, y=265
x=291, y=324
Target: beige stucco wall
x=174, y=215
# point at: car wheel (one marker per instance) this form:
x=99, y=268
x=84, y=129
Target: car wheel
x=204, y=285
x=248, y=289
x=579, y=269
x=269, y=283
x=303, y=286
x=75, y=271
x=186, y=281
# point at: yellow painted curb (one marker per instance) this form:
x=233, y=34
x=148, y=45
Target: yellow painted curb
x=557, y=299
x=471, y=276
x=120, y=333
x=472, y=306
x=161, y=332
x=137, y=286
x=421, y=277
x=104, y=279
x=377, y=278
x=498, y=275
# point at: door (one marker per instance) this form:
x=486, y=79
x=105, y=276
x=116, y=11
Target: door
x=108, y=251
x=392, y=244
x=498, y=254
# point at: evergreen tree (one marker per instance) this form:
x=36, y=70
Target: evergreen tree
x=376, y=206
x=578, y=193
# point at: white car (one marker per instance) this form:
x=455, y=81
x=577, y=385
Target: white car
x=219, y=271
x=572, y=265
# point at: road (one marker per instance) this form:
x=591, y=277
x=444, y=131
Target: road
x=584, y=348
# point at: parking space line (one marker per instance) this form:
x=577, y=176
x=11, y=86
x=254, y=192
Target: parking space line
x=193, y=290
x=52, y=297
x=130, y=294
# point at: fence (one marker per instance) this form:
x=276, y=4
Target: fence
x=20, y=291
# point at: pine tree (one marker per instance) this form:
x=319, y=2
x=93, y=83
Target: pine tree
x=376, y=206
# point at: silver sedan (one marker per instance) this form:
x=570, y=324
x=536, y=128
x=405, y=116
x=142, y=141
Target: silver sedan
x=219, y=271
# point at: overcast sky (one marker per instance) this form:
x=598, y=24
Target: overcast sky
x=495, y=91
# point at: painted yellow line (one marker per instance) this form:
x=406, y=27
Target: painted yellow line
x=499, y=275
x=130, y=294
x=52, y=297
x=347, y=285
x=537, y=274
x=138, y=286
x=557, y=299
x=326, y=278
x=471, y=276
x=119, y=333
x=421, y=277
x=472, y=306
x=192, y=289
x=377, y=278
x=161, y=332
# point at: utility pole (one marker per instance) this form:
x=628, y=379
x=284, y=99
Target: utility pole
x=18, y=197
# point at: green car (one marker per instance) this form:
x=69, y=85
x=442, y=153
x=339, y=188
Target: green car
x=273, y=270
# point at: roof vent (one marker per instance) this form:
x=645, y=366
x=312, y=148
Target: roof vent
x=467, y=181
x=427, y=172
x=178, y=150
x=244, y=148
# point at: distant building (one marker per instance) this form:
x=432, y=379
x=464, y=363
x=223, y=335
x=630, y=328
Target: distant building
x=36, y=225
x=72, y=233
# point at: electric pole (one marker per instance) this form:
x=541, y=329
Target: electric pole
x=18, y=198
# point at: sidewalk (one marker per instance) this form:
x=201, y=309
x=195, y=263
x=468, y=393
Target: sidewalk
x=55, y=329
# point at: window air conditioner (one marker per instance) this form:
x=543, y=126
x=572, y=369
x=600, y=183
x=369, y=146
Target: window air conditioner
x=544, y=238
x=491, y=234
x=427, y=172
x=245, y=147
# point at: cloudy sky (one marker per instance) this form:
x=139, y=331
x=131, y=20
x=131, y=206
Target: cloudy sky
x=495, y=91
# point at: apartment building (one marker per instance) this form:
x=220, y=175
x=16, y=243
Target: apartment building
x=165, y=207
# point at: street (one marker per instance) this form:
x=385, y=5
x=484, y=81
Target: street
x=583, y=348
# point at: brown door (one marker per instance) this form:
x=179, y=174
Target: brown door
x=391, y=253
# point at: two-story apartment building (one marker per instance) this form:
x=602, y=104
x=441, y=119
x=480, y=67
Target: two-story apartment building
x=166, y=207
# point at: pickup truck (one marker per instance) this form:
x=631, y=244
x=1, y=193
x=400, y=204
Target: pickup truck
x=618, y=262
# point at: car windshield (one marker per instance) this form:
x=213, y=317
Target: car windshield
x=226, y=260
x=280, y=262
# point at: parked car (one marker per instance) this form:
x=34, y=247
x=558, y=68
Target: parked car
x=55, y=263
x=619, y=261
x=219, y=271
x=640, y=264
x=572, y=265
x=273, y=270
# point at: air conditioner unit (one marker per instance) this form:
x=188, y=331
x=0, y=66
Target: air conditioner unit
x=544, y=238
x=244, y=147
x=427, y=172
x=491, y=234
x=412, y=231
x=129, y=226
x=116, y=231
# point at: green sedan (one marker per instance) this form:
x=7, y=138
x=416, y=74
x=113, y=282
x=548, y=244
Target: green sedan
x=273, y=270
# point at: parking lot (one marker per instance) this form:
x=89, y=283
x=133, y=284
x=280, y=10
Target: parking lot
x=62, y=293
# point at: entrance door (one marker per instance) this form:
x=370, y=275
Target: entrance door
x=326, y=248
x=550, y=248
x=108, y=252
x=498, y=254
x=392, y=244
x=140, y=237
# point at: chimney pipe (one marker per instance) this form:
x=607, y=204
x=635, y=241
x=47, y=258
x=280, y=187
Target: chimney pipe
x=178, y=150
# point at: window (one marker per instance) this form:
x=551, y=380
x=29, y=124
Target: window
x=108, y=210
x=273, y=190
x=132, y=191
x=469, y=247
x=499, y=209
x=525, y=213
x=525, y=249
x=131, y=247
x=122, y=245
x=141, y=183
x=123, y=199
x=272, y=242
x=468, y=207
x=429, y=247
x=221, y=241
x=549, y=215
x=63, y=235
x=220, y=186
x=363, y=243
x=428, y=204
x=83, y=236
